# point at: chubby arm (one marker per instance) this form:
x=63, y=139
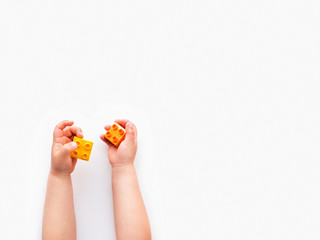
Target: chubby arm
x=130, y=215
x=59, y=220
x=131, y=219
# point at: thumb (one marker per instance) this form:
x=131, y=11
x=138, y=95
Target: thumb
x=68, y=148
x=131, y=135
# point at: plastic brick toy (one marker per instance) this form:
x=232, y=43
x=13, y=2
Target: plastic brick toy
x=84, y=149
x=115, y=134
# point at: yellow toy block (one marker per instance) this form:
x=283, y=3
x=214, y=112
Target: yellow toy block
x=84, y=149
x=116, y=134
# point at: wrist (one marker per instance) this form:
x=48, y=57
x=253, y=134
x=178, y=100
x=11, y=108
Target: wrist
x=122, y=168
x=58, y=174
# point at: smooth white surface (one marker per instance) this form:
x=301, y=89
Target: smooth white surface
x=225, y=95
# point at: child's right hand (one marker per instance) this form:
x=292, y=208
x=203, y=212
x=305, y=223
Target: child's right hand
x=125, y=153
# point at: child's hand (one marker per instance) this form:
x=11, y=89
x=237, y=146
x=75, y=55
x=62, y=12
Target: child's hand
x=125, y=153
x=62, y=146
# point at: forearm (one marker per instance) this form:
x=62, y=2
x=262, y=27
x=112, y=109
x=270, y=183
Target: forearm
x=58, y=217
x=131, y=219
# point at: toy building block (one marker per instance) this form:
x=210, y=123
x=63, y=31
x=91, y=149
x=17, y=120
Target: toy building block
x=84, y=149
x=116, y=134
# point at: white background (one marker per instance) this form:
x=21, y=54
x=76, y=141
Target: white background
x=225, y=96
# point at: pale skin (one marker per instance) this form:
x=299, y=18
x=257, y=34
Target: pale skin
x=131, y=219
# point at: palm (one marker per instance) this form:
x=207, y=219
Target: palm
x=118, y=155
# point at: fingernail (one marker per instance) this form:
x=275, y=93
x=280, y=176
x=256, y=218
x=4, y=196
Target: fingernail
x=130, y=125
x=74, y=144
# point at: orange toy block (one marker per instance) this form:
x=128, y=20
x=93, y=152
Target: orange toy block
x=115, y=134
x=84, y=149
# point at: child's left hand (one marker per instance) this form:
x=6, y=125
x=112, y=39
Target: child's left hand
x=62, y=146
